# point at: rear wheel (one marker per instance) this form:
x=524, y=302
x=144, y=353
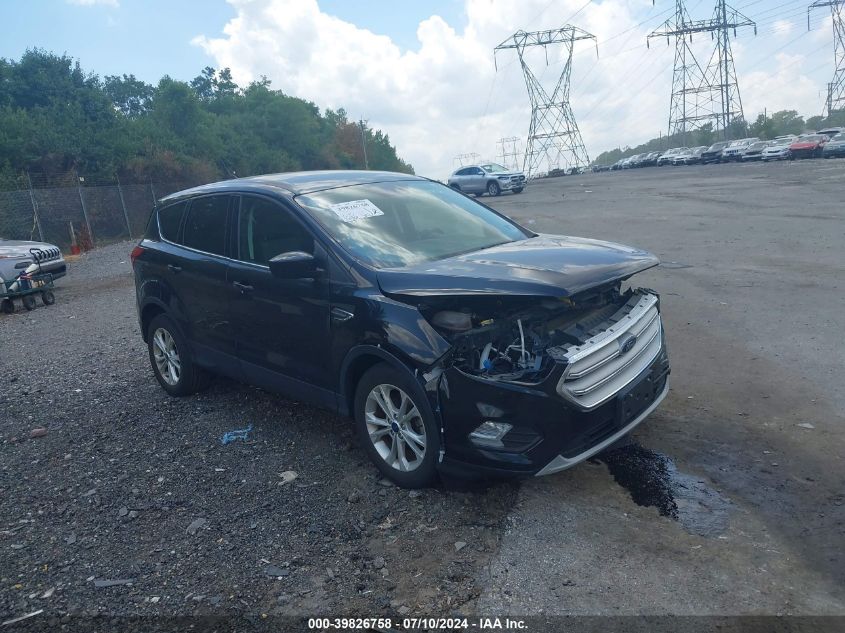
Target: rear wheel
x=455, y=187
x=518, y=190
x=28, y=302
x=493, y=188
x=7, y=306
x=171, y=359
x=396, y=426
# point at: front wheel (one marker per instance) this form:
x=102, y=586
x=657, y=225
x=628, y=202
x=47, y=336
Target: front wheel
x=493, y=189
x=171, y=359
x=28, y=302
x=396, y=426
x=48, y=298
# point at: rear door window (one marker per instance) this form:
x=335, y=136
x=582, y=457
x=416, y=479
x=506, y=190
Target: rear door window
x=205, y=226
x=170, y=219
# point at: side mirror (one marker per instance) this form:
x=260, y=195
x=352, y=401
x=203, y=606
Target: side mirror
x=294, y=265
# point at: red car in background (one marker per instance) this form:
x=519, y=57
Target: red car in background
x=808, y=146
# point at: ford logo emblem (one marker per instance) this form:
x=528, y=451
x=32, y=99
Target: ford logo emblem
x=627, y=344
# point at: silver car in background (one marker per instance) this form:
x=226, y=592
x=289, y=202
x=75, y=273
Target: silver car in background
x=489, y=178
x=735, y=150
x=17, y=255
x=778, y=151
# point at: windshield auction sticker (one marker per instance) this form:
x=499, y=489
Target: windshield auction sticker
x=355, y=210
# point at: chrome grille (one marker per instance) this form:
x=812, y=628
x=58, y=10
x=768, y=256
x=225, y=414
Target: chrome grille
x=42, y=254
x=605, y=364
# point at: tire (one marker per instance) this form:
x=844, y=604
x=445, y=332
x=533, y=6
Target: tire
x=188, y=378
x=7, y=306
x=28, y=302
x=493, y=188
x=48, y=298
x=456, y=187
x=518, y=190
x=410, y=467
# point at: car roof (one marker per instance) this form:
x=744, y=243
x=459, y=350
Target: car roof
x=296, y=183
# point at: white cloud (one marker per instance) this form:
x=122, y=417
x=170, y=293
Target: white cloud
x=91, y=3
x=782, y=28
x=445, y=97
x=784, y=88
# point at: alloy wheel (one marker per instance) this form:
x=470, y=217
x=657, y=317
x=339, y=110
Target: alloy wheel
x=395, y=427
x=166, y=356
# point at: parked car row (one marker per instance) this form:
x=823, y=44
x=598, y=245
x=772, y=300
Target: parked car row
x=827, y=143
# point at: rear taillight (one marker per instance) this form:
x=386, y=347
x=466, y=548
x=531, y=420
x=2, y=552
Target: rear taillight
x=135, y=254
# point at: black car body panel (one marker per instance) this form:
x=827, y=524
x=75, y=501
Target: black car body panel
x=713, y=154
x=546, y=265
x=311, y=338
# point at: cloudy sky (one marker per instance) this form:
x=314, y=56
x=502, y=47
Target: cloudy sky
x=424, y=71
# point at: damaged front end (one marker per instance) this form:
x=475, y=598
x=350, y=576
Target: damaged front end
x=538, y=384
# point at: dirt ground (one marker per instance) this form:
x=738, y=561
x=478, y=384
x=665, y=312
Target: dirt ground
x=752, y=430
x=729, y=501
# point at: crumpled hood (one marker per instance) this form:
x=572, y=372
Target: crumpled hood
x=546, y=265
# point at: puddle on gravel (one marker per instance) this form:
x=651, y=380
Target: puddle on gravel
x=652, y=480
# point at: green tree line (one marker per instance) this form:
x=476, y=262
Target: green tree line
x=765, y=127
x=57, y=119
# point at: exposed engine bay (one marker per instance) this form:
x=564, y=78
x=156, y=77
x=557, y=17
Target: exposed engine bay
x=517, y=339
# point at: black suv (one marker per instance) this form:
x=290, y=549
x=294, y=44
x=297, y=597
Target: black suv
x=455, y=338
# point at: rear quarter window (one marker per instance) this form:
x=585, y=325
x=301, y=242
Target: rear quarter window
x=169, y=220
x=205, y=227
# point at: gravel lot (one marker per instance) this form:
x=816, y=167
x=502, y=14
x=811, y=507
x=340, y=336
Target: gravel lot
x=131, y=485
x=730, y=502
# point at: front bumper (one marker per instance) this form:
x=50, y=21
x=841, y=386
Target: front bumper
x=550, y=432
x=510, y=185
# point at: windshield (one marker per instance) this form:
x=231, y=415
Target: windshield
x=398, y=224
x=493, y=168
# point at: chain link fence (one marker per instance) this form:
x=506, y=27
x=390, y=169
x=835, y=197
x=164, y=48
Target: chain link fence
x=69, y=210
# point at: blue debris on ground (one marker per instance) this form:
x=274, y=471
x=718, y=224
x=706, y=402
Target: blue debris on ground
x=239, y=434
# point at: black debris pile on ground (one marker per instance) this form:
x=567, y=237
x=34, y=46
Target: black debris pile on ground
x=117, y=499
x=645, y=474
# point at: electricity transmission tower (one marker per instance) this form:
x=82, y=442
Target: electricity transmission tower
x=509, y=153
x=462, y=159
x=836, y=88
x=553, y=136
x=708, y=94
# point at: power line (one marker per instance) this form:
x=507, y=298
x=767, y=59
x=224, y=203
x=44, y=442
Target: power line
x=509, y=152
x=703, y=95
x=836, y=88
x=553, y=136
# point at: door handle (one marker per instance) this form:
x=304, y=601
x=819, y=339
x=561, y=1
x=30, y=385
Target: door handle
x=244, y=288
x=174, y=268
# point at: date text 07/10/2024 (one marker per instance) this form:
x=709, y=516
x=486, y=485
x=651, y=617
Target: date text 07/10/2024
x=410, y=624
